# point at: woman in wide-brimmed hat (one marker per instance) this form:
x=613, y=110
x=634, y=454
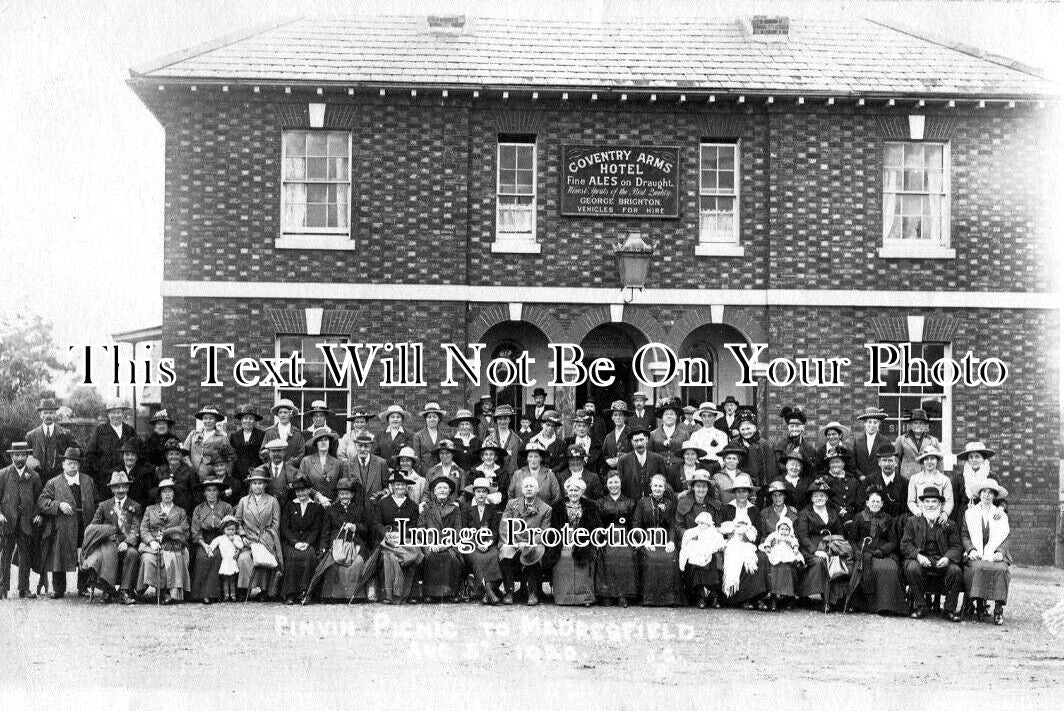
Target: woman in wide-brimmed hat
x=346, y=543
x=445, y=466
x=913, y=441
x=833, y=434
x=466, y=441
x=984, y=536
x=483, y=561
x=490, y=467
x=743, y=584
x=163, y=555
x=426, y=439
x=441, y=571
x=260, y=525
x=162, y=425
x=794, y=479
x=819, y=529
x=302, y=525
x=535, y=455
x=779, y=505
x=205, y=438
x=405, y=462
x=246, y=442
x=659, y=565
x=874, y=536
x=732, y=458
x=670, y=434
x=321, y=468
x=206, y=525
x=689, y=460
x=701, y=580
x=177, y=470
x=976, y=458
x=395, y=436
x=395, y=563
x=930, y=475
x=347, y=448
x=617, y=572
x=573, y=566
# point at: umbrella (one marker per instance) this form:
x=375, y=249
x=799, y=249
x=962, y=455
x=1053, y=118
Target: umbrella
x=857, y=574
x=325, y=561
x=369, y=571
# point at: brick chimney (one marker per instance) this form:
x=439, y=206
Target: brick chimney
x=769, y=24
x=447, y=23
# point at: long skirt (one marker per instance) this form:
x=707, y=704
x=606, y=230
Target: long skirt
x=340, y=582
x=485, y=565
x=700, y=576
x=298, y=569
x=781, y=577
x=816, y=582
x=616, y=573
x=398, y=569
x=660, y=572
x=205, y=582
x=441, y=573
x=173, y=575
x=751, y=585
x=987, y=580
x=249, y=576
x=889, y=593
x=573, y=581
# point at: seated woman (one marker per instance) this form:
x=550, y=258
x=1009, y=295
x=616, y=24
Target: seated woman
x=302, y=521
x=519, y=556
x=548, y=487
x=699, y=546
x=874, y=535
x=399, y=564
x=690, y=461
x=795, y=483
x=206, y=526
x=346, y=521
x=259, y=514
x=701, y=581
x=984, y=535
x=745, y=578
x=490, y=468
x=659, y=565
x=445, y=466
x=417, y=486
x=483, y=560
x=784, y=556
x=782, y=577
x=163, y=555
x=441, y=571
x=616, y=571
x=816, y=522
x=573, y=575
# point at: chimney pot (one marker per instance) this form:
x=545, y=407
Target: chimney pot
x=770, y=24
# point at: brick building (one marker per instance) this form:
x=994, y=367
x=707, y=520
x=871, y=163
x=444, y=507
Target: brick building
x=826, y=184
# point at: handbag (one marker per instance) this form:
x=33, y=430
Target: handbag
x=343, y=551
x=262, y=556
x=837, y=567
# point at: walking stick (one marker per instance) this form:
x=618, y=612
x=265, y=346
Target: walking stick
x=158, y=575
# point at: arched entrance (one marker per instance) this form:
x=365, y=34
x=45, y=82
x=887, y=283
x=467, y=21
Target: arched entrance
x=707, y=342
x=618, y=342
x=508, y=340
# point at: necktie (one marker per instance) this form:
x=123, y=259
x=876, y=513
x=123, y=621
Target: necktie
x=986, y=531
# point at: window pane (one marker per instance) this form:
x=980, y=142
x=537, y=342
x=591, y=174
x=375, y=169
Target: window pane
x=317, y=216
x=295, y=169
x=317, y=168
x=892, y=155
x=934, y=155
x=343, y=205
x=287, y=344
x=726, y=158
x=914, y=155
x=337, y=144
x=726, y=180
x=524, y=157
x=316, y=144
x=295, y=144
x=337, y=169
x=295, y=200
x=317, y=193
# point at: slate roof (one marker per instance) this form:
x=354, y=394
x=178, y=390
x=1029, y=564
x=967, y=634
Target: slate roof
x=819, y=56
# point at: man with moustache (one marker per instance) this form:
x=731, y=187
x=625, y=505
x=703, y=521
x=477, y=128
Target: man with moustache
x=20, y=487
x=118, y=558
x=49, y=440
x=104, y=453
x=639, y=466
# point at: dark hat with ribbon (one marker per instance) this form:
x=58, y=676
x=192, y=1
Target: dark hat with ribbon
x=247, y=410
x=398, y=478
x=130, y=445
x=793, y=413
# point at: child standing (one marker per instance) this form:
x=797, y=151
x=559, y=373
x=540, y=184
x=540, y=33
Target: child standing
x=228, y=545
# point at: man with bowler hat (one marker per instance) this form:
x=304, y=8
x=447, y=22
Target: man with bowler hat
x=66, y=502
x=49, y=440
x=20, y=486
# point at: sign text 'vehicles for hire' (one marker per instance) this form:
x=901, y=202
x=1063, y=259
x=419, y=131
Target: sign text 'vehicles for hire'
x=621, y=181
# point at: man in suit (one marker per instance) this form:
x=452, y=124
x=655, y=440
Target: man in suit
x=279, y=471
x=582, y=437
x=119, y=559
x=49, y=440
x=141, y=477
x=367, y=468
x=638, y=466
x=598, y=427
x=867, y=443
x=895, y=488
x=554, y=459
x=20, y=488
x=536, y=410
x=640, y=417
x=616, y=441
x=104, y=453
x=728, y=423
x=931, y=547
x=66, y=502
x=285, y=430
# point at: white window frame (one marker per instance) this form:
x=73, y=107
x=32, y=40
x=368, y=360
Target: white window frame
x=720, y=249
x=510, y=242
x=314, y=357
x=331, y=238
x=919, y=249
x=946, y=440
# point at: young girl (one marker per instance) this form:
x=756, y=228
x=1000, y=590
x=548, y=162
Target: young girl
x=228, y=545
x=697, y=548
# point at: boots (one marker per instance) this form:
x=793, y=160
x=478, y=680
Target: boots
x=999, y=612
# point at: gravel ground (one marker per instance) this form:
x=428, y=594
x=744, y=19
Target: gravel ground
x=335, y=656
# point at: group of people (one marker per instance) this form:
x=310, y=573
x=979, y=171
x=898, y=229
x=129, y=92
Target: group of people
x=835, y=519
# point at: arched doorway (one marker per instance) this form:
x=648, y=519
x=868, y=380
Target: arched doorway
x=508, y=340
x=618, y=342
x=707, y=342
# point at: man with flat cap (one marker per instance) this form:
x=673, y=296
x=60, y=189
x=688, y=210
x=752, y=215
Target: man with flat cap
x=20, y=487
x=366, y=468
x=49, y=440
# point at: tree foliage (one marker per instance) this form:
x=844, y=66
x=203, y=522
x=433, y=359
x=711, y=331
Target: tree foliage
x=28, y=358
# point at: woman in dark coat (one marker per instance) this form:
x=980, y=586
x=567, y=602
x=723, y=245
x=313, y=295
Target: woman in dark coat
x=689, y=462
x=616, y=572
x=744, y=520
x=816, y=521
x=152, y=449
x=782, y=577
x=246, y=443
x=399, y=565
x=346, y=520
x=659, y=565
x=441, y=572
x=873, y=535
x=206, y=526
x=483, y=560
x=573, y=576
x=701, y=582
x=760, y=462
x=466, y=442
x=175, y=469
x=302, y=521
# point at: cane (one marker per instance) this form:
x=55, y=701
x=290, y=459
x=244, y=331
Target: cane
x=158, y=575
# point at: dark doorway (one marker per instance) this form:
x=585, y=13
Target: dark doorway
x=617, y=342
